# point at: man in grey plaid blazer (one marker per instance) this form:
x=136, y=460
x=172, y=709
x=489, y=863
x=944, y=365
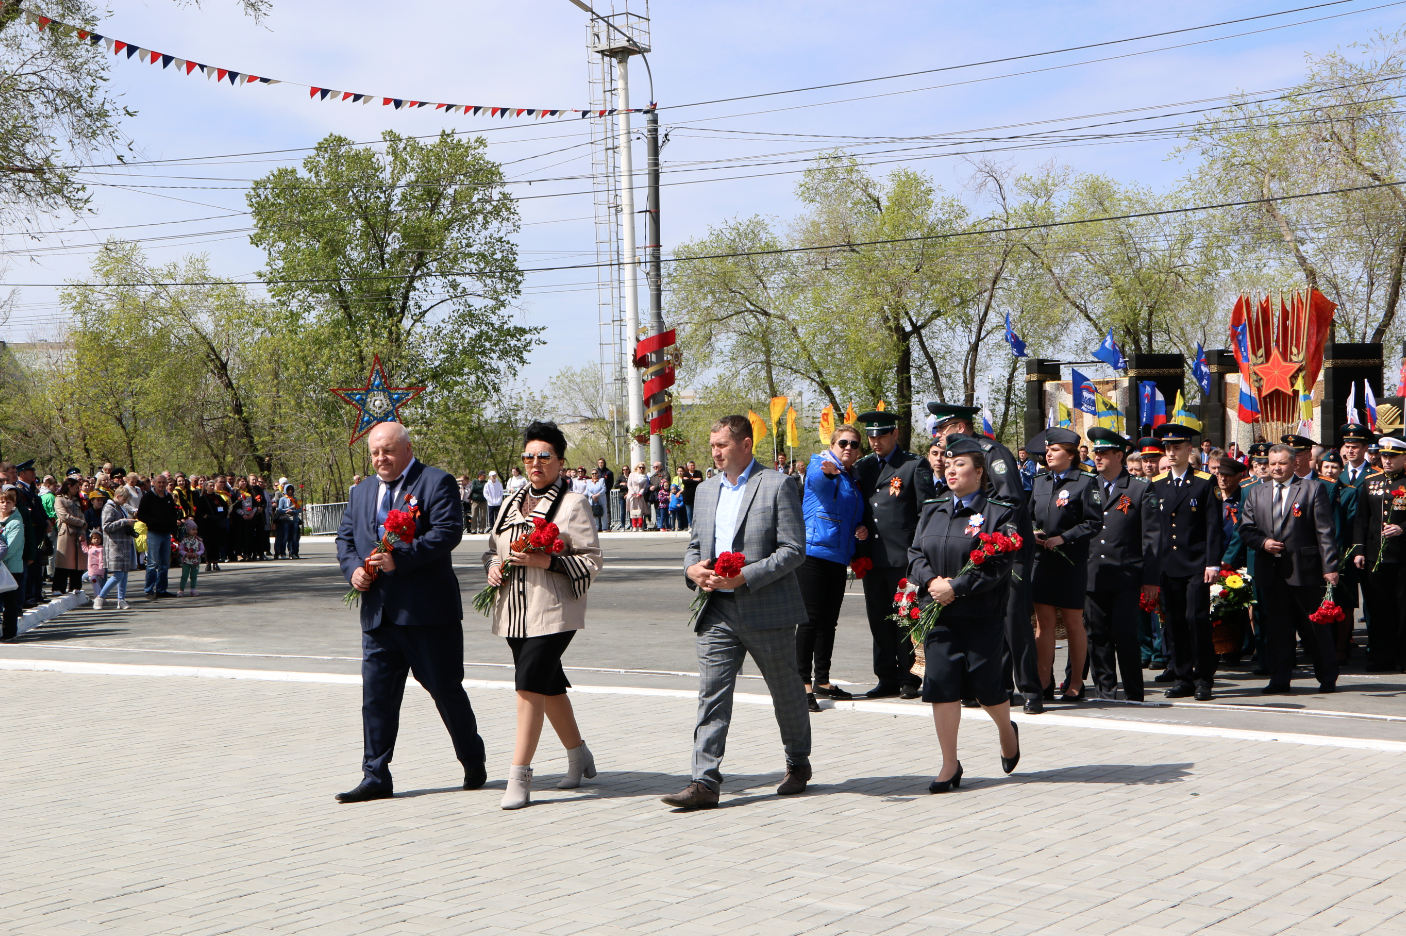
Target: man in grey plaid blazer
x=755, y=511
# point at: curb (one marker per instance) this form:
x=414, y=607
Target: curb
x=50, y=609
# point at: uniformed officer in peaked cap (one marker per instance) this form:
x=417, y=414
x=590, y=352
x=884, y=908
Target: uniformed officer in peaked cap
x=1003, y=471
x=1124, y=563
x=894, y=488
x=1303, y=453
x=1192, y=543
x=1380, y=555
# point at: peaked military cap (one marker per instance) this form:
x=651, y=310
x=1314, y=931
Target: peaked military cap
x=1260, y=450
x=1035, y=445
x=25, y=465
x=945, y=412
x=1175, y=432
x=1230, y=467
x=1354, y=432
x=1101, y=438
x=1147, y=445
x=1299, y=443
x=879, y=421
x=1058, y=435
x=961, y=445
x=1331, y=457
x=1391, y=445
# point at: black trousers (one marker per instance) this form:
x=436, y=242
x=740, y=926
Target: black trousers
x=823, y=590
x=1111, y=617
x=1385, y=591
x=893, y=651
x=435, y=655
x=1285, y=609
x=1186, y=629
x=1018, y=659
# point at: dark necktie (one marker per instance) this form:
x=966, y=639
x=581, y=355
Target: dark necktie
x=1279, y=499
x=384, y=509
x=1108, y=489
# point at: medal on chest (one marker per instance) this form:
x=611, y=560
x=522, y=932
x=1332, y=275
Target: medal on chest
x=895, y=486
x=1295, y=510
x=974, y=523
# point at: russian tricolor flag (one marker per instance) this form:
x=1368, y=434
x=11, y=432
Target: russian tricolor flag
x=1152, y=406
x=1249, y=408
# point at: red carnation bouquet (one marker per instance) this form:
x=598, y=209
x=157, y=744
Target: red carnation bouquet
x=1329, y=612
x=544, y=537
x=727, y=565
x=920, y=621
x=400, y=528
x=859, y=566
x=1149, y=603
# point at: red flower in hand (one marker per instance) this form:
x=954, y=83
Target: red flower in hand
x=729, y=565
x=400, y=525
x=860, y=566
x=977, y=557
x=913, y=612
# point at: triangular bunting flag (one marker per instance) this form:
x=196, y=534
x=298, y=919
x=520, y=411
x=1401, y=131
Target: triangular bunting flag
x=356, y=98
x=117, y=46
x=346, y=94
x=191, y=66
x=385, y=101
x=220, y=74
x=142, y=54
x=322, y=94
x=439, y=107
x=167, y=59
x=233, y=77
x=83, y=34
x=43, y=21
x=399, y=103
x=312, y=92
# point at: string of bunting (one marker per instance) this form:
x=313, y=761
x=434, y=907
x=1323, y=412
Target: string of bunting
x=127, y=50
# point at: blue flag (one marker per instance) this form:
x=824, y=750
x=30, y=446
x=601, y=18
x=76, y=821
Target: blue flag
x=1012, y=339
x=1110, y=354
x=1084, y=393
x=1201, y=370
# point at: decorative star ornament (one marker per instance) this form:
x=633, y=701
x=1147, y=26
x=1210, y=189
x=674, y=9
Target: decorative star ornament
x=375, y=402
x=1276, y=373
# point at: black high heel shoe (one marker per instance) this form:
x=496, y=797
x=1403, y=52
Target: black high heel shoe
x=1067, y=696
x=1008, y=763
x=946, y=786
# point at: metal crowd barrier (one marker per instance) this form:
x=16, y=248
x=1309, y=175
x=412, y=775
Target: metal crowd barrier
x=323, y=518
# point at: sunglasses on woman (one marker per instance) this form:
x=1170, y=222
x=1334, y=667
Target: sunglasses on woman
x=847, y=443
x=538, y=456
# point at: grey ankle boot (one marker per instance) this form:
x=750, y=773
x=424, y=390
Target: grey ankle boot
x=519, y=792
x=579, y=763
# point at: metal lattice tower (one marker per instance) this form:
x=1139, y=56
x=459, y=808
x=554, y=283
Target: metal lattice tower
x=614, y=346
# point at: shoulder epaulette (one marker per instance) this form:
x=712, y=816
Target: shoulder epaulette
x=1161, y=477
x=1201, y=474
x=939, y=499
x=1374, y=472
x=1000, y=503
x=1249, y=481
x=1139, y=479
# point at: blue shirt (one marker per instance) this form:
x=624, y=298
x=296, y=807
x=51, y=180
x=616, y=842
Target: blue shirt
x=729, y=507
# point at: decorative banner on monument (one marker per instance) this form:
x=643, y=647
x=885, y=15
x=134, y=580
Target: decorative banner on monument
x=128, y=50
x=375, y=401
x=1277, y=348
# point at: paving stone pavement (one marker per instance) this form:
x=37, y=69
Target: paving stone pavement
x=144, y=804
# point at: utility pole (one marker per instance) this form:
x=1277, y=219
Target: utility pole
x=654, y=268
x=629, y=269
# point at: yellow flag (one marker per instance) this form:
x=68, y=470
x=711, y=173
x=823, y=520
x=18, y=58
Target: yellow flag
x=1305, y=399
x=758, y=427
x=849, y=414
x=1066, y=415
x=792, y=436
x=880, y=406
x=827, y=425
x=778, y=406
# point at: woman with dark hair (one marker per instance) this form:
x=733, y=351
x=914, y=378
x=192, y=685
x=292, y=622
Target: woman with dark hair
x=1066, y=508
x=210, y=510
x=541, y=603
x=963, y=649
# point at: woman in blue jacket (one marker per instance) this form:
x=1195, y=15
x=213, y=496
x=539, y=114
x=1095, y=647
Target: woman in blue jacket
x=834, y=516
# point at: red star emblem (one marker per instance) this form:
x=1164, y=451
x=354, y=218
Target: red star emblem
x=375, y=401
x=1276, y=373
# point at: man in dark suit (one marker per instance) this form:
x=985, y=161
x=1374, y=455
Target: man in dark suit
x=1192, y=544
x=894, y=489
x=1288, y=521
x=1124, y=563
x=411, y=612
x=755, y=511
x=1018, y=654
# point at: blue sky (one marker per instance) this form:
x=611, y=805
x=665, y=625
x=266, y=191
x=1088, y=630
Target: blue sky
x=532, y=53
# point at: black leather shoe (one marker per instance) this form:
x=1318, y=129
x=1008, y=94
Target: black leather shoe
x=797, y=776
x=1034, y=705
x=910, y=692
x=1008, y=763
x=1325, y=688
x=1164, y=676
x=1275, y=689
x=694, y=796
x=946, y=786
x=475, y=776
x=1203, y=693
x=881, y=692
x=1067, y=696
x=368, y=790
x=811, y=704
x=1183, y=690
x=833, y=692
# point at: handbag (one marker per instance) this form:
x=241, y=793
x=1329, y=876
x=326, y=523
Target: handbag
x=7, y=581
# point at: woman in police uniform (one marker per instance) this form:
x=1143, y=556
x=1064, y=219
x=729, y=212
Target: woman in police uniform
x=964, y=647
x=1067, y=511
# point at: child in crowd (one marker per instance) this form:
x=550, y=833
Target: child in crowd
x=97, y=572
x=190, y=548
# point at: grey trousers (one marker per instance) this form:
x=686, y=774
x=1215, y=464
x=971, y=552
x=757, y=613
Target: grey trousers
x=722, y=647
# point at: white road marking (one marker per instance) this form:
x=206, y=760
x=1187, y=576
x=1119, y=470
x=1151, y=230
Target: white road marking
x=746, y=698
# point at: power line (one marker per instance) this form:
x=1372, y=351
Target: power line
x=916, y=238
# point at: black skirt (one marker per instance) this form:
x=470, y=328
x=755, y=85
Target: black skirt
x=1058, y=581
x=964, y=661
x=537, y=663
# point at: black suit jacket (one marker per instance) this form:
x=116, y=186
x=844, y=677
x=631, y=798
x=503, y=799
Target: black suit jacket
x=423, y=589
x=894, y=491
x=1377, y=508
x=1192, y=537
x=1310, y=548
x=1127, y=552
